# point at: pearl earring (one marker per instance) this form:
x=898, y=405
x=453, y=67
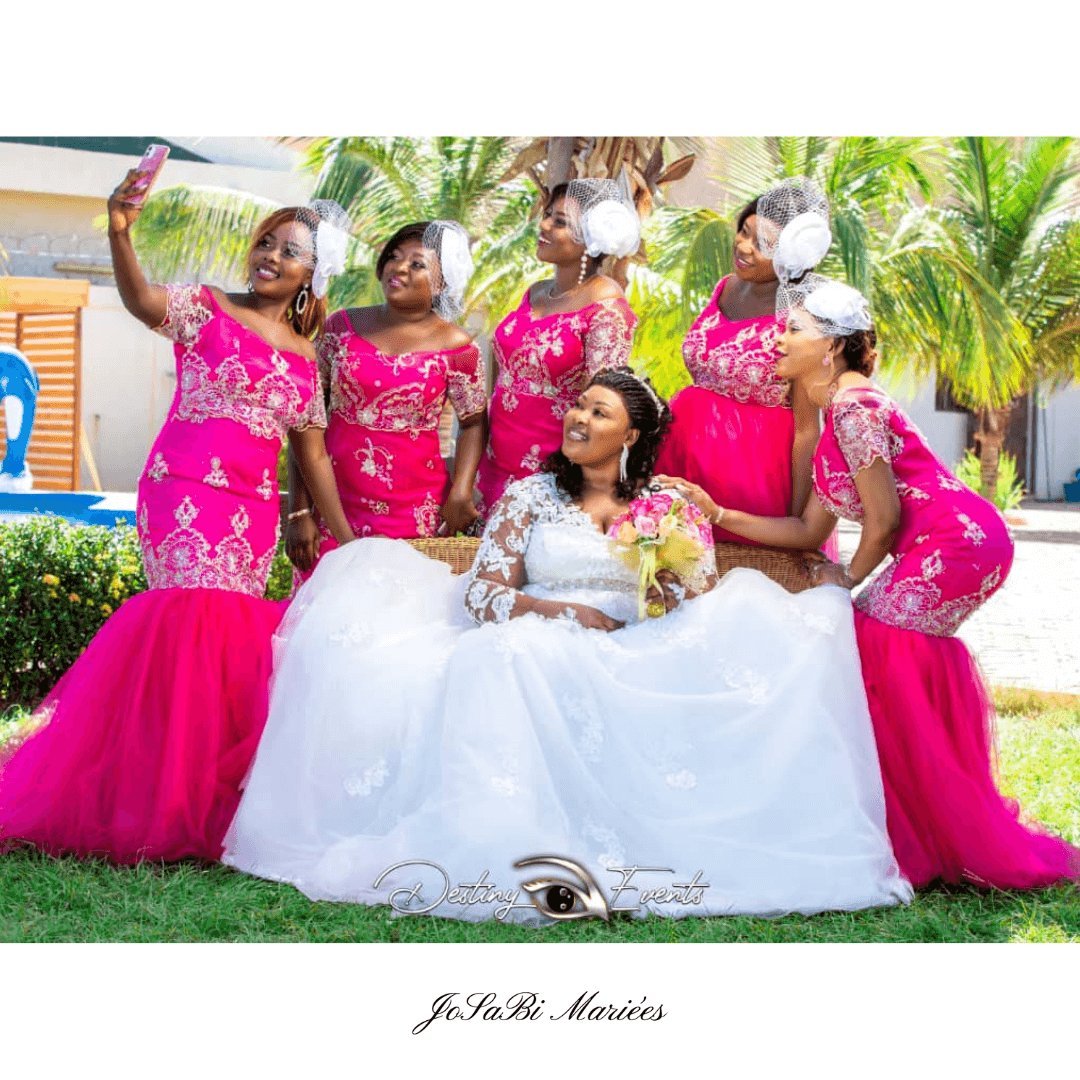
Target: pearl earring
x=584, y=267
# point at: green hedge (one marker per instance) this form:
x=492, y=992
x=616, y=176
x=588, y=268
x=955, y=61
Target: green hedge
x=58, y=583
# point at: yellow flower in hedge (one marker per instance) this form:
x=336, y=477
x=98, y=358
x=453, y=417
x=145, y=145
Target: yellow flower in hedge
x=50, y=579
x=106, y=609
x=53, y=594
x=73, y=597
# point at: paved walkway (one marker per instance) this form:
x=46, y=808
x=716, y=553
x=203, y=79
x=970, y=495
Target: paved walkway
x=1028, y=633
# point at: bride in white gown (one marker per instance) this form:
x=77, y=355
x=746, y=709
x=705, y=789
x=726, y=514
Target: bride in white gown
x=717, y=760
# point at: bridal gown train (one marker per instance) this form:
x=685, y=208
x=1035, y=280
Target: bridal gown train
x=727, y=743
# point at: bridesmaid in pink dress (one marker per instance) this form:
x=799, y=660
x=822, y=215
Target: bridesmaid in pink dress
x=389, y=371
x=950, y=551
x=738, y=431
x=139, y=750
x=563, y=332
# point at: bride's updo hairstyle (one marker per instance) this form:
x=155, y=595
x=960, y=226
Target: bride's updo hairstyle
x=648, y=413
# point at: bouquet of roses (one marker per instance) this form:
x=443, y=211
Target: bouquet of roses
x=660, y=531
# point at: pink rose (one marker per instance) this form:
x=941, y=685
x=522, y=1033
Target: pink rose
x=645, y=526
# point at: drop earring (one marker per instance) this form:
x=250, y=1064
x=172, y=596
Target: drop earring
x=584, y=267
x=300, y=305
x=624, y=457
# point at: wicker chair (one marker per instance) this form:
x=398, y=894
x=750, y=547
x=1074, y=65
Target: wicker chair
x=787, y=568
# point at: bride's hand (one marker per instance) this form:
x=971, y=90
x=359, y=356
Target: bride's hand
x=670, y=593
x=592, y=618
x=694, y=492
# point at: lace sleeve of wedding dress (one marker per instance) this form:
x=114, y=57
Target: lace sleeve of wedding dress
x=498, y=572
x=702, y=579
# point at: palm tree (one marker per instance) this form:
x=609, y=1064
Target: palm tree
x=986, y=282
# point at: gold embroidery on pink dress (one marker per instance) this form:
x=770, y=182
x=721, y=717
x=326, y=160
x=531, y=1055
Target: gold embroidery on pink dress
x=742, y=367
x=427, y=517
x=216, y=476
x=377, y=462
x=268, y=409
x=606, y=335
x=914, y=603
x=185, y=559
x=266, y=489
x=185, y=314
x=158, y=469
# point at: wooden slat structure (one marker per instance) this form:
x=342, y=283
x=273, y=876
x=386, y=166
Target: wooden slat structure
x=42, y=317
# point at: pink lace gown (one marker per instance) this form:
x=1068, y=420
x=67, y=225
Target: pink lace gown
x=383, y=433
x=732, y=431
x=930, y=707
x=139, y=750
x=544, y=362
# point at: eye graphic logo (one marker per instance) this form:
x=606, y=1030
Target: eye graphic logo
x=559, y=899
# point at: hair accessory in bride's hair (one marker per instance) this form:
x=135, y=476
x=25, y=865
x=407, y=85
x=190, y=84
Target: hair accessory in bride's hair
x=837, y=309
x=449, y=243
x=793, y=227
x=602, y=217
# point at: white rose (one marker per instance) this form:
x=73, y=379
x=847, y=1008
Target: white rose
x=611, y=228
x=803, y=243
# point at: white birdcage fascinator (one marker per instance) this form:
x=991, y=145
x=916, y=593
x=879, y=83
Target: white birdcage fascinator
x=602, y=217
x=793, y=227
x=837, y=310
x=330, y=227
x=448, y=243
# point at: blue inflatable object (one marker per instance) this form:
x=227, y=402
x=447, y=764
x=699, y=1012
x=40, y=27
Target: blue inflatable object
x=19, y=388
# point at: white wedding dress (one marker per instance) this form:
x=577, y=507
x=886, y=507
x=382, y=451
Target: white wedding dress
x=726, y=746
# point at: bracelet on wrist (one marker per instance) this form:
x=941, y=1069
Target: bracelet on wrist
x=718, y=516
x=299, y=513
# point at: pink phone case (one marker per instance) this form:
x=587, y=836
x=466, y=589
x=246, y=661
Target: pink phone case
x=151, y=162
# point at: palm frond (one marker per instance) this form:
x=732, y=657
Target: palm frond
x=198, y=233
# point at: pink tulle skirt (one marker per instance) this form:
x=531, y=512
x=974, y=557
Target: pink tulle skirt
x=933, y=720
x=740, y=453
x=145, y=740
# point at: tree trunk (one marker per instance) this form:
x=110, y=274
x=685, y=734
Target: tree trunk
x=989, y=439
x=560, y=152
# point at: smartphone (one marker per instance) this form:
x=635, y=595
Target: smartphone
x=151, y=162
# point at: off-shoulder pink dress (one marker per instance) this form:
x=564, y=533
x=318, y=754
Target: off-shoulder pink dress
x=544, y=362
x=732, y=431
x=140, y=748
x=383, y=434
x=931, y=709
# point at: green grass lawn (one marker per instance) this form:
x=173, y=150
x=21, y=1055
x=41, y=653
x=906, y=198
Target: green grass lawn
x=44, y=899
